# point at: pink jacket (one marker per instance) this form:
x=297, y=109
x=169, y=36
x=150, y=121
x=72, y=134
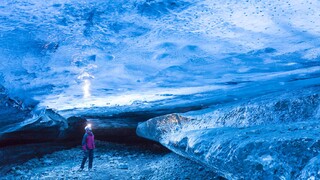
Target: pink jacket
x=88, y=141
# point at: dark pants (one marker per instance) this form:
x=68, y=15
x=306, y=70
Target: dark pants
x=88, y=153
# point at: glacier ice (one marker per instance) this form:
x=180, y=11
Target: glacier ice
x=268, y=152
x=269, y=137
x=244, y=65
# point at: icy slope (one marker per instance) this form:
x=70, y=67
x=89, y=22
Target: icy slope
x=268, y=152
x=273, y=136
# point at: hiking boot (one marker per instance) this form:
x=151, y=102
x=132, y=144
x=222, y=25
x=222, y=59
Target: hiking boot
x=90, y=169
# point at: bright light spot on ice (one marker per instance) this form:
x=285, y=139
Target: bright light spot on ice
x=85, y=77
x=267, y=158
x=86, y=88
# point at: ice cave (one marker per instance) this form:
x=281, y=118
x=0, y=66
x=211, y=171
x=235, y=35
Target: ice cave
x=172, y=89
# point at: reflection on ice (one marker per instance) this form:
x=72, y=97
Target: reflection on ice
x=86, y=88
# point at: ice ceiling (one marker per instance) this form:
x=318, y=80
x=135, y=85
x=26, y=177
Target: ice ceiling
x=72, y=56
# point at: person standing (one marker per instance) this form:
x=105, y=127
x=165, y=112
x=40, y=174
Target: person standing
x=88, y=146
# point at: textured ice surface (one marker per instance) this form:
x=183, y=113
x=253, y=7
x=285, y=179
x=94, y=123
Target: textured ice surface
x=12, y=111
x=41, y=120
x=267, y=152
x=273, y=136
x=292, y=106
x=75, y=55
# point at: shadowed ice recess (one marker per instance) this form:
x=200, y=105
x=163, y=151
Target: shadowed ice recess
x=244, y=74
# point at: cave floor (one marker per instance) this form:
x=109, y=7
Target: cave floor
x=112, y=161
